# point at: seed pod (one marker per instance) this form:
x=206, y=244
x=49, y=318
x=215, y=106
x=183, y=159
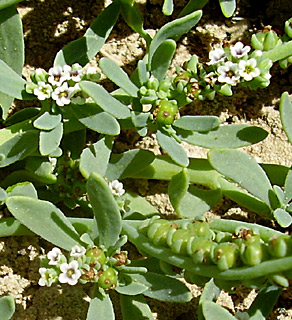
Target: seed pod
x=166, y=112
x=226, y=255
x=95, y=255
x=157, y=232
x=200, y=229
x=179, y=241
x=108, y=279
x=200, y=250
x=253, y=253
x=280, y=246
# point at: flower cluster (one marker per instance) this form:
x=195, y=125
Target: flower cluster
x=117, y=188
x=60, y=83
x=83, y=265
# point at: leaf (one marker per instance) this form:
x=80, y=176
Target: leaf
x=210, y=293
x=47, y=121
x=212, y=311
x=163, y=288
x=283, y=217
x=41, y=168
x=105, y=209
x=135, y=308
x=280, y=52
x=7, y=305
x=173, y=148
x=142, y=72
x=101, y=308
x=94, y=118
x=285, y=108
x=228, y=136
x=84, y=49
x=105, y=100
x=162, y=58
x=197, y=123
x=247, y=172
x=131, y=289
x=192, y=6
x=167, y=7
x=288, y=187
x=123, y=164
x=228, y=7
x=11, y=44
x=95, y=158
x=19, y=146
x=22, y=189
x=50, y=140
x=173, y=30
x=118, y=76
x=45, y=220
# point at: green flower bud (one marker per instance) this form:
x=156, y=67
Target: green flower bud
x=39, y=75
x=164, y=85
x=95, y=255
x=143, y=91
x=166, y=112
x=108, y=279
x=226, y=255
x=152, y=83
x=288, y=28
x=30, y=86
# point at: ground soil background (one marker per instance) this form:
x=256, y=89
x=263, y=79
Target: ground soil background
x=48, y=26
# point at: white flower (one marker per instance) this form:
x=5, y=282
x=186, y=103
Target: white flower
x=48, y=277
x=57, y=76
x=117, y=188
x=239, y=50
x=63, y=94
x=54, y=256
x=70, y=273
x=77, y=251
x=248, y=69
x=74, y=72
x=228, y=73
x=216, y=55
x=43, y=91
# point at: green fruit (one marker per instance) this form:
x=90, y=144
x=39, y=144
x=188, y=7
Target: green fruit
x=96, y=255
x=226, y=255
x=166, y=112
x=280, y=246
x=254, y=253
x=108, y=279
x=179, y=241
x=200, y=250
x=200, y=229
x=157, y=232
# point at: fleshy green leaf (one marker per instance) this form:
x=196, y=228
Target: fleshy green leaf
x=283, y=217
x=173, y=148
x=7, y=305
x=197, y=123
x=228, y=7
x=118, y=76
x=84, y=49
x=135, y=308
x=101, y=308
x=167, y=7
x=105, y=209
x=212, y=311
x=95, y=158
x=11, y=44
x=229, y=136
x=123, y=164
x=45, y=220
x=132, y=289
x=94, y=118
x=22, y=189
x=162, y=58
x=50, y=140
x=286, y=114
x=247, y=172
x=192, y=6
x=47, y=121
x=105, y=100
x=174, y=30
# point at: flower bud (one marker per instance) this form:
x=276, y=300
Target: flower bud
x=152, y=83
x=108, y=279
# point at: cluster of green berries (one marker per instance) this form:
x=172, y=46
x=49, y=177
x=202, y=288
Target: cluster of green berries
x=83, y=266
x=211, y=247
x=70, y=183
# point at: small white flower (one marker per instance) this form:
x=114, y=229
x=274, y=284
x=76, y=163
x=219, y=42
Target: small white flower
x=248, y=69
x=57, y=76
x=48, y=277
x=63, y=94
x=216, y=55
x=77, y=251
x=117, y=188
x=70, y=273
x=54, y=256
x=43, y=91
x=74, y=72
x=228, y=73
x=239, y=50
